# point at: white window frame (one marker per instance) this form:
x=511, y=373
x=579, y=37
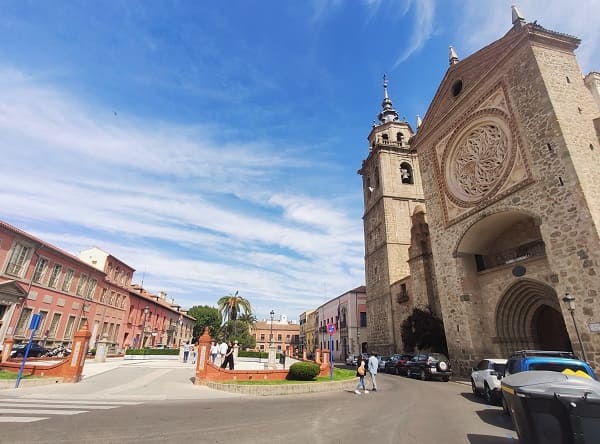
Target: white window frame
x=82, y=284
x=68, y=281
x=53, y=331
x=41, y=330
x=69, y=327
x=92, y=283
x=19, y=258
x=55, y=275
x=41, y=268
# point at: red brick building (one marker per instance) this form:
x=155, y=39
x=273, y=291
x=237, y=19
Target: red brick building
x=37, y=277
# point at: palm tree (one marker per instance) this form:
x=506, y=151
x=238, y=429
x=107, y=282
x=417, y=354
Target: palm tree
x=232, y=305
x=248, y=318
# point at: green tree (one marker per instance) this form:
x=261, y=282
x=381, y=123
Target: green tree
x=205, y=317
x=423, y=331
x=248, y=318
x=232, y=305
x=238, y=331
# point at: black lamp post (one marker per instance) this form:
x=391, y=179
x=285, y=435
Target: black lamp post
x=272, y=313
x=570, y=303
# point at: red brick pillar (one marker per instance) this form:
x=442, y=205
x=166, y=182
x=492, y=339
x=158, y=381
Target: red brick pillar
x=326, y=357
x=81, y=341
x=6, y=349
x=318, y=355
x=203, y=357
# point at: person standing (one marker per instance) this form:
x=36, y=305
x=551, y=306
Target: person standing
x=186, y=351
x=228, y=360
x=214, y=351
x=193, y=352
x=360, y=372
x=222, y=352
x=373, y=366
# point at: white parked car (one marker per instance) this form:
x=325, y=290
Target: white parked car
x=486, y=377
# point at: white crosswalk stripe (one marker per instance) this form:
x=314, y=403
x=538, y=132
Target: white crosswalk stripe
x=38, y=409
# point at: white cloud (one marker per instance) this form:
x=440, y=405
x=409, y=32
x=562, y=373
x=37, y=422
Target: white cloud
x=200, y=218
x=478, y=26
x=422, y=28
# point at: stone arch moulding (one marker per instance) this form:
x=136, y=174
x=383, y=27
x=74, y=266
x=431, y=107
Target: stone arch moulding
x=515, y=312
x=504, y=214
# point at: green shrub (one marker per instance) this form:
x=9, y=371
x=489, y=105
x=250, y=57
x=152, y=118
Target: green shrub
x=303, y=371
x=152, y=351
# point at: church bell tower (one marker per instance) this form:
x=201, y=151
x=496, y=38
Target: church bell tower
x=391, y=191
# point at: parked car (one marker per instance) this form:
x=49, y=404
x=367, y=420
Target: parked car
x=352, y=360
x=35, y=351
x=397, y=364
x=558, y=361
x=382, y=361
x=427, y=365
x=486, y=379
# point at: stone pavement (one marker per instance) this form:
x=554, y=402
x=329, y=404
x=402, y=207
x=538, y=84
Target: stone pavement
x=136, y=379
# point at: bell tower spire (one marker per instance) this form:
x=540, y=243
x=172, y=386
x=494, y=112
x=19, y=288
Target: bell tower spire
x=388, y=113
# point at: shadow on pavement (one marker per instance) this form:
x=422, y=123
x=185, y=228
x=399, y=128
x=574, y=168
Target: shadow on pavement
x=496, y=418
x=489, y=439
x=477, y=399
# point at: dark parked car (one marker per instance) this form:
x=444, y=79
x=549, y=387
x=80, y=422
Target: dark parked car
x=397, y=364
x=427, y=365
x=36, y=350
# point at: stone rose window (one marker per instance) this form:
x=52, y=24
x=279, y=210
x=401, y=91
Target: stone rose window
x=478, y=160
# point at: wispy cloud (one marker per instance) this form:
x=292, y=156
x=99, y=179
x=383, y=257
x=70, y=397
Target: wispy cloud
x=479, y=26
x=195, y=213
x=322, y=8
x=422, y=28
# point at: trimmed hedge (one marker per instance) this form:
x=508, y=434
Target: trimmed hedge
x=255, y=354
x=152, y=351
x=303, y=371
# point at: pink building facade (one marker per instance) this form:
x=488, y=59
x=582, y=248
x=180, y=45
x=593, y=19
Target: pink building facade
x=67, y=291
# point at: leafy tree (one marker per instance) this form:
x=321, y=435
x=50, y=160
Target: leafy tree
x=238, y=331
x=423, y=331
x=232, y=305
x=205, y=317
x=248, y=318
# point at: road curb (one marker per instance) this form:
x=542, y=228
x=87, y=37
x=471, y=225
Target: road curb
x=285, y=389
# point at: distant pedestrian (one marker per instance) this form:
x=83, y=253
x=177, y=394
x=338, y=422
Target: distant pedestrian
x=373, y=366
x=360, y=372
x=186, y=351
x=228, y=359
x=193, y=352
x=214, y=351
x=222, y=351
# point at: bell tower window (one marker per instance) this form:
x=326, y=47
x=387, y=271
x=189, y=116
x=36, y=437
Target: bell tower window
x=406, y=173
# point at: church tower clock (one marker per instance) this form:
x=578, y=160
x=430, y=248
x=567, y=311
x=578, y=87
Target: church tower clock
x=392, y=190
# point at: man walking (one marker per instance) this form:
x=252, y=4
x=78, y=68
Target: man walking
x=222, y=351
x=373, y=366
x=186, y=351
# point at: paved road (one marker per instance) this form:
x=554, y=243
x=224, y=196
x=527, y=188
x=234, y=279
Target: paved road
x=140, y=409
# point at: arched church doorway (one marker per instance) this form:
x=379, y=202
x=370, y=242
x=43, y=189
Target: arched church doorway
x=529, y=317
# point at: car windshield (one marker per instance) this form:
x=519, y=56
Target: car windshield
x=556, y=367
x=499, y=368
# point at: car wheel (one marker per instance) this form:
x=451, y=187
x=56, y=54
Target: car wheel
x=408, y=373
x=396, y=371
x=422, y=375
x=474, y=388
x=445, y=378
x=487, y=394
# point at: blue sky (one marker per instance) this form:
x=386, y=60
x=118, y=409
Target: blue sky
x=214, y=146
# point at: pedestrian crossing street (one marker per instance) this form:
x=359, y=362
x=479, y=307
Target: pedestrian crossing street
x=23, y=410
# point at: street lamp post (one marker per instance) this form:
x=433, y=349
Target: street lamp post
x=271, y=334
x=146, y=311
x=570, y=303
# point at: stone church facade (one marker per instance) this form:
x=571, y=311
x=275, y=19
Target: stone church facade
x=501, y=219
